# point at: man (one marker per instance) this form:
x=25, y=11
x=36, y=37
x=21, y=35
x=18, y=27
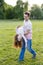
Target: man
x=28, y=35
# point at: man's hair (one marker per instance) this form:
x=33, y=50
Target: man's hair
x=27, y=13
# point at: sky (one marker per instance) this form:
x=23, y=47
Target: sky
x=31, y=2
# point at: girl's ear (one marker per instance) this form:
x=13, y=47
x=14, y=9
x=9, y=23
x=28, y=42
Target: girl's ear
x=20, y=44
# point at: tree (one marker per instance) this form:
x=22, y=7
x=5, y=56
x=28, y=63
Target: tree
x=1, y=3
x=42, y=10
x=42, y=6
x=25, y=6
x=36, y=12
x=9, y=13
x=2, y=15
x=18, y=10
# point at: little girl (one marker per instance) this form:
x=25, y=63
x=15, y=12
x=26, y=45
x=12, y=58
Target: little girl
x=20, y=35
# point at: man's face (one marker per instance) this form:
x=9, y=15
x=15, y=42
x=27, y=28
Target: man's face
x=26, y=17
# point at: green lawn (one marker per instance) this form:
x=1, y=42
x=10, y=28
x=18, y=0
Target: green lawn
x=8, y=54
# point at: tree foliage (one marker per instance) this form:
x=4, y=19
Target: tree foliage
x=36, y=12
x=16, y=12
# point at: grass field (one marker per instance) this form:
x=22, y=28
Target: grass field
x=8, y=54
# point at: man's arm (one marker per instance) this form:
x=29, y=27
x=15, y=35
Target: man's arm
x=27, y=32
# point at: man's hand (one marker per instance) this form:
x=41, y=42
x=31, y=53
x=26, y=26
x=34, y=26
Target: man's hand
x=27, y=32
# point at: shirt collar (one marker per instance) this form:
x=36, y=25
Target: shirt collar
x=26, y=21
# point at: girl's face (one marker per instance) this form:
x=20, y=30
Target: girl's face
x=16, y=42
x=19, y=37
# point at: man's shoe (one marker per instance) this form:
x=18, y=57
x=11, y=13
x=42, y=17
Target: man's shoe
x=34, y=56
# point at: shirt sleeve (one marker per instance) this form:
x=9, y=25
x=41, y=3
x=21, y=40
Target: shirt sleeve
x=29, y=26
x=20, y=30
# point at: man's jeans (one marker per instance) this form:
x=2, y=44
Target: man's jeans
x=29, y=48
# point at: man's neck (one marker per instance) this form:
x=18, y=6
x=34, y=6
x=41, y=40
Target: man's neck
x=26, y=20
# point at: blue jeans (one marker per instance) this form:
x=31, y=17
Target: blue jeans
x=29, y=48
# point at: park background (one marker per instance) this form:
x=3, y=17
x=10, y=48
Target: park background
x=12, y=16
